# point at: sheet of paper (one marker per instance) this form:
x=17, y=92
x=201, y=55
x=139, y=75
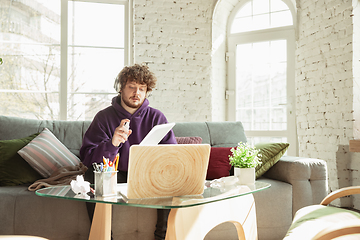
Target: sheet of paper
x=156, y=134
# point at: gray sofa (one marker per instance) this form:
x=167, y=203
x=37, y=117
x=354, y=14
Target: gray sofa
x=295, y=182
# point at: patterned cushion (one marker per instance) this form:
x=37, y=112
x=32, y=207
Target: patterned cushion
x=46, y=154
x=188, y=140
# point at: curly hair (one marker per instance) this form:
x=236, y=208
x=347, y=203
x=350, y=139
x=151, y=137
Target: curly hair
x=141, y=74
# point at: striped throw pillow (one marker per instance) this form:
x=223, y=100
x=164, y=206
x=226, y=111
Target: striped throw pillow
x=46, y=154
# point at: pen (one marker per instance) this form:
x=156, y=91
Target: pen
x=116, y=161
x=96, y=167
x=107, y=165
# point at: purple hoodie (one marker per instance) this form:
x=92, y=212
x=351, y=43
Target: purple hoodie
x=97, y=139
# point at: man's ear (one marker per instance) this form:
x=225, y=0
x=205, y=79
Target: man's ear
x=148, y=94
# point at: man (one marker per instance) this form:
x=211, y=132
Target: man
x=107, y=135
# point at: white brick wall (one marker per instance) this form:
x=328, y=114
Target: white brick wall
x=174, y=38
x=324, y=86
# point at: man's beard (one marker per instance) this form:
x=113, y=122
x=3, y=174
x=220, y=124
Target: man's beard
x=130, y=104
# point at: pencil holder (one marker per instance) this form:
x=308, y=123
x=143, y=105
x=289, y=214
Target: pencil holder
x=105, y=183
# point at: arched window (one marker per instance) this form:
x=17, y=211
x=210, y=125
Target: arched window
x=260, y=14
x=261, y=56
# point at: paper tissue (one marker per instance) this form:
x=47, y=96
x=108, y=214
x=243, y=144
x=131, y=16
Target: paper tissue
x=80, y=187
x=223, y=182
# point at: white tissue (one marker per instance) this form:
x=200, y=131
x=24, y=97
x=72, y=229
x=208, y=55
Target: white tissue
x=79, y=186
x=230, y=180
x=223, y=182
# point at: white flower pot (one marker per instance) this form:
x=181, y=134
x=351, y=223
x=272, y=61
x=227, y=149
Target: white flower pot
x=245, y=175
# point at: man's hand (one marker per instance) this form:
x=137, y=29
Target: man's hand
x=121, y=133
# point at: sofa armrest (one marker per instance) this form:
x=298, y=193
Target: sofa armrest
x=308, y=177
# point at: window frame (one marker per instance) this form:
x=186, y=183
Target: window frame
x=61, y=89
x=128, y=50
x=288, y=33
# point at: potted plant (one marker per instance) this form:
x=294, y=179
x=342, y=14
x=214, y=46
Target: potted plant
x=1, y=61
x=244, y=158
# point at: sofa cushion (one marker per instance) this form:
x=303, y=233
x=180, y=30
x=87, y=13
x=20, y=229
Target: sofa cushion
x=45, y=153
x=188, y=140
x=218, y=163
x=70, y=133
x=270, y=154
x=226, y=134
x=192, y=129
x=14, y=170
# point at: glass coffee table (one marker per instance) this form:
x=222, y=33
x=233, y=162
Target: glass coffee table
x=191, y=217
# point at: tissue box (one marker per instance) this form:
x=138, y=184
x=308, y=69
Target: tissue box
x=105, y=183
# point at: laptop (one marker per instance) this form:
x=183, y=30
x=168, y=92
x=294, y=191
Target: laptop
x=166, y=170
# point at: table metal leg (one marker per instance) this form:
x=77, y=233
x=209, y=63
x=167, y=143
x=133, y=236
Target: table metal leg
x=101, y=223
x=193, y=223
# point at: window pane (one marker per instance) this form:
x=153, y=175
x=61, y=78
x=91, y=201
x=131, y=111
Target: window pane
x=261, y=14
x=278, y=118
x=30, y=105
x=261, y=85
x=244, y=99
x=245, y=11
x=85, y=106
x=261, y=53
x=96, y=24
x=278, y=51
x=277, y=5
x=29, y=83
x=30, y=67
x=261, y=21
x=261, y=91
x=246, y=116
x=242, y=25
x=278, y=83
x=246, y=80
x=24, y=23
x=29, y=46
x=260, y=6
x=280, y=19
x=93, y=69
x=261, y=119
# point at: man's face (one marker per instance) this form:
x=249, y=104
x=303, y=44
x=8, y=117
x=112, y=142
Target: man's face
x=133, y=94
